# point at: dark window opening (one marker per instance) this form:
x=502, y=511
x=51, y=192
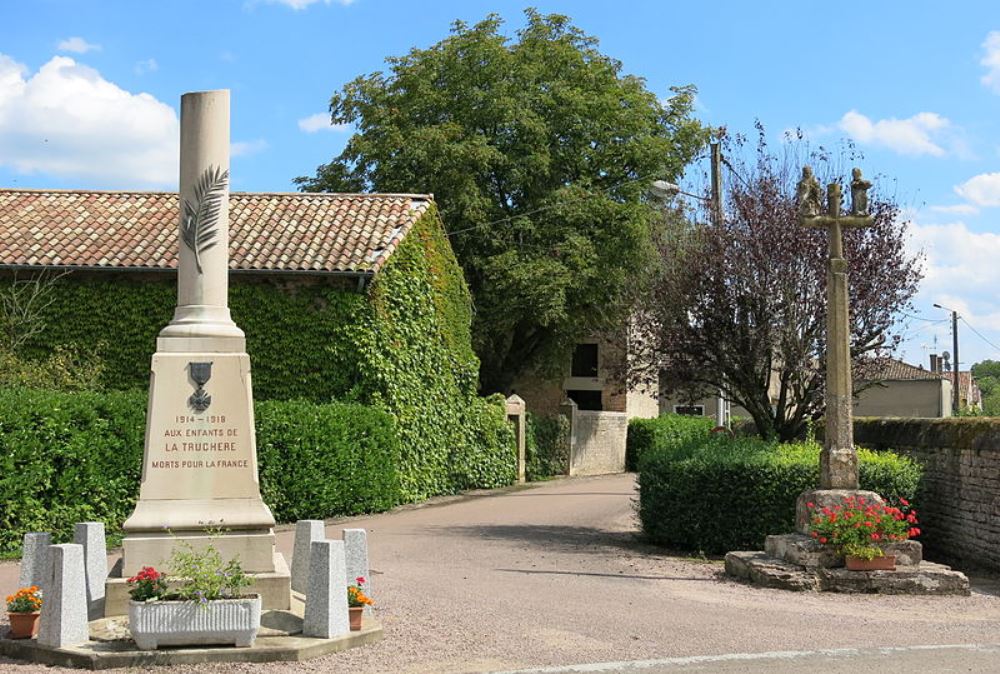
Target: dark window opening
x=585, y=360
x=586, y=400
x=690, y=410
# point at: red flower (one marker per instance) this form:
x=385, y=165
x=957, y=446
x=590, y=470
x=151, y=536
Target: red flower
x=904, y=502
x=822, y=539
x=810, y=505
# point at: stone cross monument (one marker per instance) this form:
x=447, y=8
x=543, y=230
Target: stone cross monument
x=838, y=460
x=199, y=474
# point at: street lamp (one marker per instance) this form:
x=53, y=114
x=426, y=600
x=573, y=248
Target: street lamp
x=956, y=399
x=661, y=189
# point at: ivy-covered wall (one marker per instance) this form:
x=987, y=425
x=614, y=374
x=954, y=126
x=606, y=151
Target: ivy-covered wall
x=403, y=345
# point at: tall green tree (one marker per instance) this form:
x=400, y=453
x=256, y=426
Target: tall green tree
x=987, y=375
x=539, y=152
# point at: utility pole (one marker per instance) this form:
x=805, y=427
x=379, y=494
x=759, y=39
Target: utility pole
x=956, y=397
x=721, y=416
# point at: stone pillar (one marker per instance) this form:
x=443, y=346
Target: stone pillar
x=34, y=559
x=568, y=409
x=306, y=531
x=356, y=558
x=90, y=535
x=199, y=477
x=517, y=415
x=838, y=460
x=326, y=614
x=64, y=604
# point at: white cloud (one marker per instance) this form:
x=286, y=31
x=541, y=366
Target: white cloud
x=146, y=66
x=956, y=209
x=67, y=120
x=917, y=135
x=991, y=61
x=982, y=190
x=77, y=45
x=248, y=147
x=320, y=122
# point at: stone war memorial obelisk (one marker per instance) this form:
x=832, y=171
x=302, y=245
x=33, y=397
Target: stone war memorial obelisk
x=199, y=475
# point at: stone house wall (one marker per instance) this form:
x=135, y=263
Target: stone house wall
x=960, y=499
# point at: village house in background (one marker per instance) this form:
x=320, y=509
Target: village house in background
x=905, y=390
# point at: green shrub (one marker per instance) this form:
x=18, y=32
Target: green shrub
x=722, y=494
x=546, y=446
x=316, y=461
x=662, y=432
x=74, y=457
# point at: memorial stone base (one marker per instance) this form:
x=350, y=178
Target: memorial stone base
x=110, y=646
x=800, y=563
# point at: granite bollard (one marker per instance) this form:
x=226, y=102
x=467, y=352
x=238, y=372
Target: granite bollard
x=64, y=612
x=306, y=532
x=356, y=555
x=34, y=558
x=326, y=614
x=95, y=560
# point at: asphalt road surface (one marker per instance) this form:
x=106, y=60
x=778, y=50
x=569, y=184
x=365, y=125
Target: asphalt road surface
x=550, y=578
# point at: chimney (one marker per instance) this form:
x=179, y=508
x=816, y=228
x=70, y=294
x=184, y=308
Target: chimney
x=934, y=363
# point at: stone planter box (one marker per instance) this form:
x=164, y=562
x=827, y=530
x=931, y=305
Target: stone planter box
x=187, y=623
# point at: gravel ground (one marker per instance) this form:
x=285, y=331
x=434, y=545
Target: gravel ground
x=553, y=575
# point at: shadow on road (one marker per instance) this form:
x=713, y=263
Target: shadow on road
x=604, y=575
x=557, y=538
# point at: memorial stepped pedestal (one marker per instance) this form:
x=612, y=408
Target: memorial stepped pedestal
x=798, y=562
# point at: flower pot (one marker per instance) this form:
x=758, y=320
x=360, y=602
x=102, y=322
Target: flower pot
x=884, y=563
x=23, y=625
x=185, y=623
x=356, y=613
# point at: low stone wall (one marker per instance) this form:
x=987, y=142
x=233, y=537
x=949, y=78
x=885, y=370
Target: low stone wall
x=960, y=497
x=598, y=443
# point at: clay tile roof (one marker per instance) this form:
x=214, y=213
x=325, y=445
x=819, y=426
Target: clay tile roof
x=291, y=232
x=896, y=370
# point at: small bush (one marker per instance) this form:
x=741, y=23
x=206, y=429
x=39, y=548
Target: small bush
x=662, y=432
x=493, y=459
x=546, y=446
x=722, y=494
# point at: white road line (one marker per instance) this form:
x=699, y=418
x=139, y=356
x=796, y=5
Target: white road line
x=638, y=665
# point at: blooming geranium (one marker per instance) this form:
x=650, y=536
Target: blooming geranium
x=147, y=584
x=860, y=528
x=355, y=594
x=25, y=600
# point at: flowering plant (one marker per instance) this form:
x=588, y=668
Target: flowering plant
x=862, y=529
x=147, y=584
x=355, y=594
x=25, y=600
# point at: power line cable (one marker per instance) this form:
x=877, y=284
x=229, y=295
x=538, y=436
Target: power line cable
x=979, y=333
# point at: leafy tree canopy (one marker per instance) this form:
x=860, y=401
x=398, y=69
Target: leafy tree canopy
x=539, y=152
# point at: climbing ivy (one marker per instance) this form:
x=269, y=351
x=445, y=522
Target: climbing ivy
x=402, y=345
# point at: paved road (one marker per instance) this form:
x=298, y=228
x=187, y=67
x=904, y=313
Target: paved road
x=552, y=576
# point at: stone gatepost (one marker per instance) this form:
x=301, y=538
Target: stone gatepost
x=199, y=476
x=63, y=621
x=568, y=409
x=517, y=414
x=35, y=559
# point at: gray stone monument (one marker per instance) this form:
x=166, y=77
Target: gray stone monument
x=199, y=476
x=306, y=531
x=90, y=535
x=326, y=614
x=356, y=557
x=63, y=621
x=34, y=559
x=838, y=459
x=517, y=415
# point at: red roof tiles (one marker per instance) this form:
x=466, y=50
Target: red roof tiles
x=321, y=233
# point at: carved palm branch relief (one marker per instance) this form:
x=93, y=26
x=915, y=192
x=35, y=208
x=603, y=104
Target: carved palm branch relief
x=200, y=225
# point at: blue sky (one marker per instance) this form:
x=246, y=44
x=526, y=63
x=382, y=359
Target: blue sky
x=89, y=92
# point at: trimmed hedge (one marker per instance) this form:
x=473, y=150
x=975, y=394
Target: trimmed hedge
x=719, y=494
x=74, y=457
x=662, y=431
x=546, y=446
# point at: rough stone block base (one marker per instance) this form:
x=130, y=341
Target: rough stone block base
x=826, y=498
x=275, y=589
x=926, y=578
x=807, y=551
